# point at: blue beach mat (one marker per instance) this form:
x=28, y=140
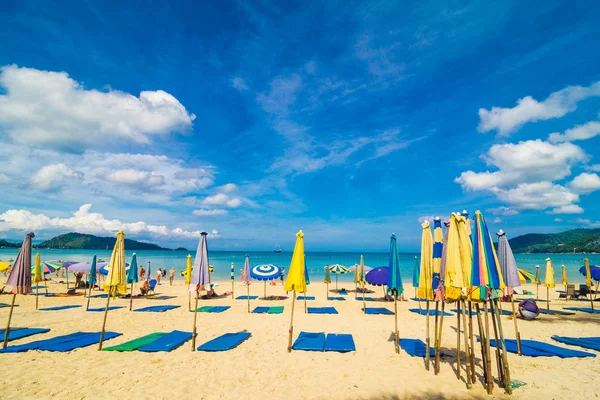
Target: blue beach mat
x=160, y=297
x=416, y=347
x=57, y=308
x=554, y=312
x=343, y=292
x=532, y=348
x=225, y=342
x=260, y=310
x=246, y=298
x=156, y=308
x=309, y=341
x=339, y=342
x=168, y=342
x=587, y=342
x=463, y=311
x=88, y=339
x=584, y=309
x=306, y=297
x=102, y=309
x=218, y=309
x=419, y=300
x=366, y=299
x=98, y=296
x=377, y=311
x=502, y=312
x=322, y=310
x=20, y=333
x=39, y=343
x=336, y=298
x=431, y=312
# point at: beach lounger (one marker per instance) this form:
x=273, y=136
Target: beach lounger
x=275, y=310
x=246, y=298
x=306, y=297
x=587, y=342
x=156, y=308
x=336, y=298
x=20, y=333
x=322, y=310
x=424, y=312
x=532, y=348
x=377, y=311
x=584, y=309
x=341, y=343
x=554, y=312
x=309, y=341
x=416, y=347
x=58, y=308
x=260, y=310
x=102, y=309
x=225, y=342
x=168, y=342
x=136, y=343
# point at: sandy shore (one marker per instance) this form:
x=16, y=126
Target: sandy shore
x=261, y=367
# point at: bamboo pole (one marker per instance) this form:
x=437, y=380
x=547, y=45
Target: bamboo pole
x=364, y=303
x=36, y=295
x=45, y=283
x=427, y=338
x=327, y=290
x=248, y=295
x=487, y=349
x=458, y=340
x=67, y=274
x=472, y=347
x=396, y=334
x=131, y=297
x=482, y=341
x=7, y=330
x=355, y=290
x=195, y=317
x=435, y=334
x=232, y=290
x=336, y=282
x=104, y=322
x=291, y=331
x=265, y=290
x=305, y=307
x=507, y=380
x=498, y=356
x=87, y=307
x=439, y=342
x=466, y=338
x=548, y=298
x=591, y=299
x=517, y=333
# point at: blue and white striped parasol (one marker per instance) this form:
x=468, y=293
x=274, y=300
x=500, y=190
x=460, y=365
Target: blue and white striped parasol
x=266, y=272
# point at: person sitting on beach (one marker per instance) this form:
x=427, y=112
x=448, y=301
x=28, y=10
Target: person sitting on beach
x=171, y=276
x=78, y=278
x=145, y=288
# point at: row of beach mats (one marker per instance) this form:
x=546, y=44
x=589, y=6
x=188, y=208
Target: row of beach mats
x=533, y=348
x=424, y=312
x=310, y=341
x=212, y=309
x=306, y=297
x=336, y=298
x=268, y=310
x=554, y=312
x=63, y=343
x=20, y=333
x=102, y=309
x=587, y=342
x=156, y=308
x=160, y=341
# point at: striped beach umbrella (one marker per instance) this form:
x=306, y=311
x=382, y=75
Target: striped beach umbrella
x=438, y=247
x=526, y=276
x=337, y=269
x=425, y=288
x=485, y=274
x=49, y=266
x=265, y=272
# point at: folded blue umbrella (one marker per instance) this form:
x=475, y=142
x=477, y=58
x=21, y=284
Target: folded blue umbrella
x=584, y=309
x=157, y=308
x=415, y=347
x=246, y=298
x=310, y=341
x=168, y=342
x=340, y=342
x=424, y=312
x=260, y=310
x=306, y=297
x=322, y=310
x=218, y=309
x=102, y=309
x=20, y=333
x=225, y=342
x=587, y=342
x=534, y=348
x=336, y=298
x=57, y=308
x=377, y=311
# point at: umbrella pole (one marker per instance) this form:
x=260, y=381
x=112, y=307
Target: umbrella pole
x=265, y=290
x=439, y=342
x=517, y=334
x=435, y=333
x=482, y=341
x=336, y=287
x=36, y=294
x=355, y=290
x=364, y=304
x=472, y=349
x=591, y=299
x=291, y=332
x=427, y=338
x=131, y=297
x=189, y=301
x=232, y=290
x=87, y=307
x=466, y=338
x=396, y=334
x=507, y=380
x=488, y=356
x=327, y=289
x=458, y=340
x=494, y=311
x=547, y=298
x=45, y=284
x=104, y=322
x=67, y=274
x=7, y=330
x=194, y=330
x=248, y=295
x=305, y=308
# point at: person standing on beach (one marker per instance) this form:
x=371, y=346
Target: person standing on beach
x=171, y=276
x=158, y=276
x=142, y=273
x=281, y=275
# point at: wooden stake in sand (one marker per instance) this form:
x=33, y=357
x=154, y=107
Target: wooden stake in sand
x=472, y=347
x=427, y=338
x=466, y=338
x=458, y=340
x=7, y=330
x=439, y=341
x=291, y=331
x=195, y=318
x=104, y=321
x=131, y=298
x=517, y=333
x=488, y=358
x=248, y=295
x=435, y=335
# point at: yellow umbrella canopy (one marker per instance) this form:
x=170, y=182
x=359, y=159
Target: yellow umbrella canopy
x=188, y=269
x=116, y=281
x=564, y=275
x=549, y=282
x=296, y=279
x=4, y=266
x=38, y=275
x=425, y=290
x=458, y=258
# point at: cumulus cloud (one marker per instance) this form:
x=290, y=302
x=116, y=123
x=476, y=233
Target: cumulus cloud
x=580, y=132
x=84, y=221
x=135, y=177
x=228, y=188
x=52, y=177
x=568, y=209
x=503, y=210
x=507, y=120
x=209, y=213
x=585, y=183
x=50, y=109
x=424, y=218
x=588, y=223
x=222, y=199
x=537, y=196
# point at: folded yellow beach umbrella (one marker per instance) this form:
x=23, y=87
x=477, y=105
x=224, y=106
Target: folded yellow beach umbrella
x=564, y=275
x=38, y=275
x=549, y=282
x=425, y=290
x=296, y=279
x=188, y=269
x=458, y=258
x=116, y=281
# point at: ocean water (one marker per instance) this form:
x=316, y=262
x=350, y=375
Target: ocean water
x=221, y=260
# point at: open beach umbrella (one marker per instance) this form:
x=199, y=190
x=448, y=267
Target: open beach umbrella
x=4, y=266
x=132, y=277
x=246, y=279
x=296, y=281
x=116, y=281
x=377, y=276
x=425, y=281
x=394, y=284
x=104, y=268
x=82, y=267
x=594, y=272
x=338, y=269
x=49, y=266
x=357, y=267
x=200, y=279
x=525, y=276
x=19, y=278
x=266, y=272
x=91, y=280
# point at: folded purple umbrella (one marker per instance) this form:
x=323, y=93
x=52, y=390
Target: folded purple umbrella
x=377, y=276
x=82, y=267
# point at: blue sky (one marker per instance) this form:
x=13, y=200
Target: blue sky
x=252, y=120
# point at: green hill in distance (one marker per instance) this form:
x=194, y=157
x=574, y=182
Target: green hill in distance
x=81, y=241
x=573, y=241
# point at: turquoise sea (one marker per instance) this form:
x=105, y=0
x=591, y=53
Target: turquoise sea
x=221, y=260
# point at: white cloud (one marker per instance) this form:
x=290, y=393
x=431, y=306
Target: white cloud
x=52, y=177
x=580, y=132
x=424, y=218
x=568, y=209
x=239, y=84
x=497, y=220
x=595, y=167
x=503, y=210
x=228, y=188
x=209, y=213
x=49, y=109
x=508, y=120
x=558, y=220
x=537, y=196
x=587, y=223
x=130, y=176
x=379, y=58
x=585, y=183
x=222, y=199
x=84, y=221
x=5, y=178
x=282, y=94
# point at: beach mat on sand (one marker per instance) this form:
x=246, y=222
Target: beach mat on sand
x=136, y=343
x=339, y=342
x=82, y=341
x=554, y=312
x=584, y=309
x=463, y=311
x=225, y=342
x=310, y=341
x=322, y=310
x=218, y=309
x=39, y=343
x=366, y=299
x=102, y=309
x=377, y=311
x=203, y=308
x=98, y=296
x=58, y=308
x=3, y=305
x=424, y=312
x=168, y=342
x=336, y=298
x=275, y=310
x=587, y=342
x=260, y=310
x=20, y=333
x=416, y=348
x=305, y=297
x=246, y=297
x=343, y=292
x=534, y=348
x=156, y=308
x=502, y=312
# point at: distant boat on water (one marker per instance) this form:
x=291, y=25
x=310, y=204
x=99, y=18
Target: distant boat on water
x=277, y=248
